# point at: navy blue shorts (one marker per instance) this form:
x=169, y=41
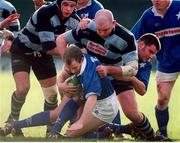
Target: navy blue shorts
x=24, y=58
x=120, y=86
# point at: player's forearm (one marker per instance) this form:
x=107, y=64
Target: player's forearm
x=128, y=70
x=89, y=106
x=61, y=45
x=138, y=85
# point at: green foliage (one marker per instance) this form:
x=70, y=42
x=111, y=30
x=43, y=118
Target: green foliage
x=35, y=99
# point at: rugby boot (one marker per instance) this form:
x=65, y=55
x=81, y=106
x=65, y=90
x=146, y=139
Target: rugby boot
x=159, y=137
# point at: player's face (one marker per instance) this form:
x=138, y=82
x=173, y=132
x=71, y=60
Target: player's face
x=74, y=68
x=67, y=8
x=160, y=5
x=104, y=29
x=146, y=52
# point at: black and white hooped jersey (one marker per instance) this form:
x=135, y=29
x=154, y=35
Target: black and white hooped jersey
x=45, y=24
x=6, y=9
x=118, y=49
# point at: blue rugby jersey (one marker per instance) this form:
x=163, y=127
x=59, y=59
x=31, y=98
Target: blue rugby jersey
x=90, y=10
x=6, y=9
x=167, y=28
x=91, y=82
x=118, y=49
x=40, y=31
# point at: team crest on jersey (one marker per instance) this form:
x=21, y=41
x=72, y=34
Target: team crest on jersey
x=85, y=15
x=96, y=48
x=178, y=15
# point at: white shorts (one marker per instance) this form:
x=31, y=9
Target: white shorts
x=107, y=109
x=161, y=76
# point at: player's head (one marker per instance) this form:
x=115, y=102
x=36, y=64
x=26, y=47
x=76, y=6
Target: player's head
x=105, y=23
x=67, y=7
x=73, y=59
x=161, y=5
x=148, y=46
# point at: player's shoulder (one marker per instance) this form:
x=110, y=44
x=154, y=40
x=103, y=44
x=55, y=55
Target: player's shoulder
x=123, y=32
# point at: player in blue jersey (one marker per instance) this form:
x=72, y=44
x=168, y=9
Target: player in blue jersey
x=101, y=105
x=163, y=19
x=33, y=49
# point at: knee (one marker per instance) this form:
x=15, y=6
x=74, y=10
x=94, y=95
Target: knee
x=50, y=94
x=163, y=96
x=22, y=90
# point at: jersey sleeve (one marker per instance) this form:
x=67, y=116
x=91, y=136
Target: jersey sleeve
x=144, y=74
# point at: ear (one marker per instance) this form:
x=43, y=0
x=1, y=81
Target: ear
x=114, y=23
x=141, y=44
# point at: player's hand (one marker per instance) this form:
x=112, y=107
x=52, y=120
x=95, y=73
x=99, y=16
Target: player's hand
x=102, y=71
x=65, y=88
x=83, y=24
x=10, y=19
x=6, y=46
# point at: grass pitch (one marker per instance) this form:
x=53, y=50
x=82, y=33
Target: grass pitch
x=35, y=100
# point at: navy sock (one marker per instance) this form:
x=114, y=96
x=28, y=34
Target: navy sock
x=40, y=119
x=145, y=127
x=162, y=118
x=68, y=111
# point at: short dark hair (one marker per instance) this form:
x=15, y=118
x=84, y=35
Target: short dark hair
x=72, y=53
x=151, y=39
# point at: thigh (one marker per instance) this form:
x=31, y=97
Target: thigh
x=165, y=83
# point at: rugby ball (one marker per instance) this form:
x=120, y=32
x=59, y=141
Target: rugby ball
x=73, y=80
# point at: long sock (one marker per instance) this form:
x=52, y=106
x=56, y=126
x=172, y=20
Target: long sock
x=16, y=105
x=68, y=111
x=40, y=119
x=47, y=107
x=145, y=127
x=162, y=117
